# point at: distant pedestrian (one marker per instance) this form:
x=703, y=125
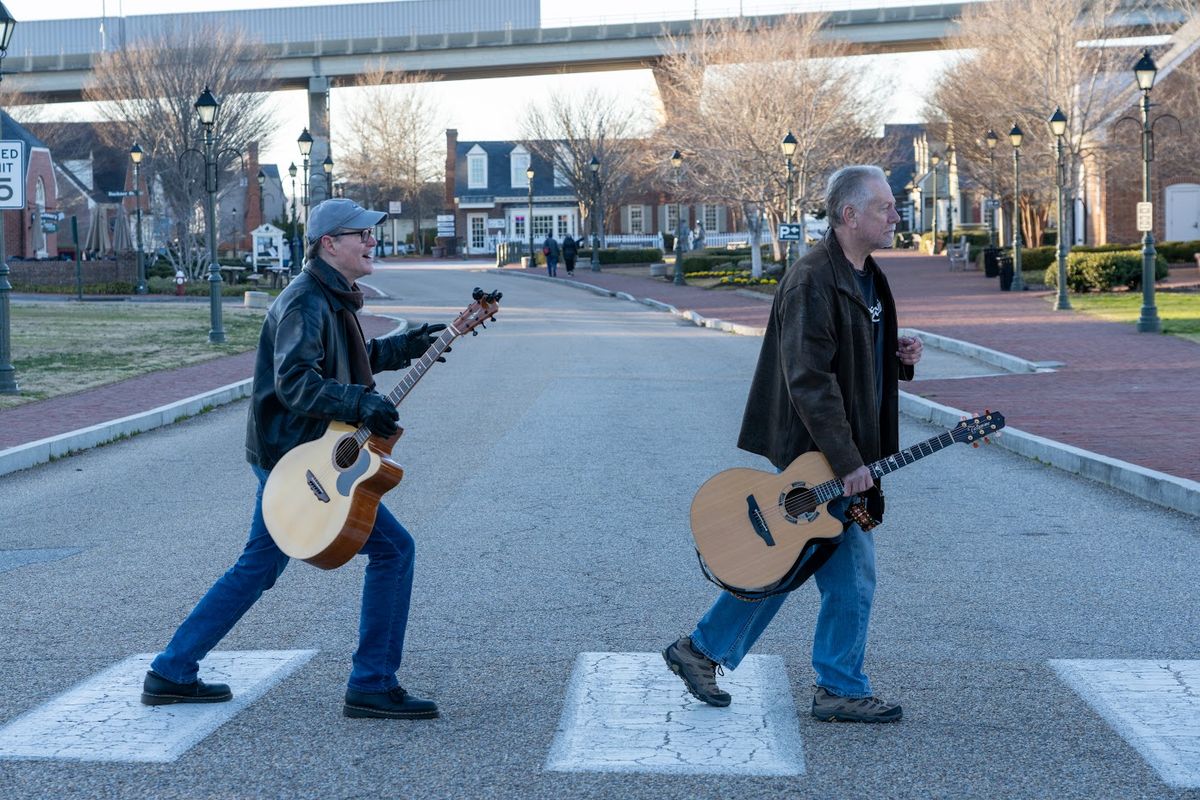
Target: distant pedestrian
x=570, y=249
x=550, y=251
x=698, y=237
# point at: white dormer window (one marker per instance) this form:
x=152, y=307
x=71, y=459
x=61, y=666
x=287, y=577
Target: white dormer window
x=561, y=178
x=477, y=177
x=519, y=158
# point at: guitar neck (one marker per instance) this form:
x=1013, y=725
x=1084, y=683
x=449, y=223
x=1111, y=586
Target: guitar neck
x=833, y=488
x=422, y=365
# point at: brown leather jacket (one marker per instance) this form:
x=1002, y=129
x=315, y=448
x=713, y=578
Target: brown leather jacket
x=814, y=387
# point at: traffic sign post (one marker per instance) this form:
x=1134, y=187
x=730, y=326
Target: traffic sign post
x=12, y=196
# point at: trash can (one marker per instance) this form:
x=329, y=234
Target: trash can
x=991, y=264
x=1006, y=272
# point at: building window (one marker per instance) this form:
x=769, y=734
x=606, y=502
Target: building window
x=543, y=225
x=520, y=162
x=710, y=218
x=519, y=226
x=636, y=221
x=477, y=177
x=564, y=225
x=672, y=217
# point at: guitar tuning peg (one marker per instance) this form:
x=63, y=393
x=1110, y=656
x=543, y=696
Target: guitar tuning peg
x=974, y=444
x=986, y=440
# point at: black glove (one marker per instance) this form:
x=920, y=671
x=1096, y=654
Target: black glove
x=379, y=415
x=418, y=340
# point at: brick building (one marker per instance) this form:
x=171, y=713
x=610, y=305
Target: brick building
x=30, y=233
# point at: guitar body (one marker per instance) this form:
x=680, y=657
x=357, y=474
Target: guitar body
x=744, y=533
x=322, y=511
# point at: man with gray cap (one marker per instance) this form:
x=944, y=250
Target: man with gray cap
x=314, y=366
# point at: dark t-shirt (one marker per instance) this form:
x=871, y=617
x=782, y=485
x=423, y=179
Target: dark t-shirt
x=866, y=283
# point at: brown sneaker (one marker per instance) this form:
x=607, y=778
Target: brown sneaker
x=831, y=708
x=698, y=672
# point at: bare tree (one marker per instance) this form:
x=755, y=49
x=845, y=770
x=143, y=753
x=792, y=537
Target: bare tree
x=393, y=128
x=149, y=92
x=1025, y=58
x=568, y=131
x=733, y=91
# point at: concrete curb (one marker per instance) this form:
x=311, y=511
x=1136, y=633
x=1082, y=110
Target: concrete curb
x=44, y=450
x=1156, y=487
x=1004, y=361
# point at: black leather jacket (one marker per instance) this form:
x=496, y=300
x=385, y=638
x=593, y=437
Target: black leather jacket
x=302, y=372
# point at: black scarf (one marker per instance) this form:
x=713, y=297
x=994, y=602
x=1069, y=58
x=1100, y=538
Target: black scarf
x=346, y=303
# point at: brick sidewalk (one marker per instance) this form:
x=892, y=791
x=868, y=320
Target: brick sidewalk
x=1123, y=394
x=57, y=415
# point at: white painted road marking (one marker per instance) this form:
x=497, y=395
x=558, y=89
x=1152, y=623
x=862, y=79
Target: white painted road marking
x=103, y=719
x=627, y=712
x=1153, y=705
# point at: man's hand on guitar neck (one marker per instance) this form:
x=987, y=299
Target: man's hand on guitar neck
x=379, y=415
x=857, y=482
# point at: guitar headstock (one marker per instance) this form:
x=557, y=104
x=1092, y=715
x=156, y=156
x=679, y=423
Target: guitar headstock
x=483, y=308
x=977, y=429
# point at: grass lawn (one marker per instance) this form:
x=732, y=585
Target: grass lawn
x=63, y=347
x=1179, y=311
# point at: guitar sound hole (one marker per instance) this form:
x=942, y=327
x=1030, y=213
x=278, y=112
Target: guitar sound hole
x=798, y=502
x=346, y=453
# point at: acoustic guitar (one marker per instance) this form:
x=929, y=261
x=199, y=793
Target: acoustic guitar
x=751, y=526
x=321, y=499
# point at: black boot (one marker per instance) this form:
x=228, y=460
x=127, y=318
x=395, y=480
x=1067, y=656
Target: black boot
x=158, y=691
x=392, y=704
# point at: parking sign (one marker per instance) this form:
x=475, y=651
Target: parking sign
x=791, y=232
x=12, y=174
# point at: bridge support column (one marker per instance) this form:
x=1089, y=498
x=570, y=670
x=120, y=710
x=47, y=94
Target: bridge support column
x=318, y=126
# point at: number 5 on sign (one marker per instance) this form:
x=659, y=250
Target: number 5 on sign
x=12, y=174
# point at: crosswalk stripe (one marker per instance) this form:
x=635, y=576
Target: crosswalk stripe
x=1153, y=705
x=626, y=712
x=102, y=719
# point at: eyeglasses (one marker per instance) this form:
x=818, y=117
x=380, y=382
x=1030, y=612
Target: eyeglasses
x=364, y=235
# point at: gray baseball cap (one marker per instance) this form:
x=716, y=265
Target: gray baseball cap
x=340, y=213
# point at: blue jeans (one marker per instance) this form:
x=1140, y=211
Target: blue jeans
x=552, y=266
x=387, y=588
x=847, y=586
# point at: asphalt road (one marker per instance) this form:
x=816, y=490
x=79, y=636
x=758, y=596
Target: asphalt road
x=550, y=466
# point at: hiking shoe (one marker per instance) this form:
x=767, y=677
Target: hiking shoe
x=393, y=704
x=158, y=691
x=698, y=672
x=831, y=708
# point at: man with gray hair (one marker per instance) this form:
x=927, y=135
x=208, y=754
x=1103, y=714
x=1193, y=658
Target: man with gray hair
x=826, y=381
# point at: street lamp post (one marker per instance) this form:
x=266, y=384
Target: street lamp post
x=206, y=106
x=935, y=159
x=991, y=139
x=788, y=145
x=529, y=173
x=135, y=155
x=8, y=376
x=305, y=143
x=297, y=252
x=1015, y=136
x=262, y=205
x=680, y=223
x=1144, y=71
x=597, y=212
x=1058, y=127
x=327, y=165
x=950, y=195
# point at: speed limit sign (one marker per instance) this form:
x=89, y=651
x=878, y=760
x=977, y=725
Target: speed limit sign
x=12, y=174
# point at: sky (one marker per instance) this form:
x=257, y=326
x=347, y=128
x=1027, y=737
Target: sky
x=490, y=109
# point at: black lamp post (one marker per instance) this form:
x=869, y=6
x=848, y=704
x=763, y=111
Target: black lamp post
x=297, y=251
x=206, y=106
x=935, y=159
x=327, y=165
x=950, y=170
x=262, y=205
x=1058, y=127
x=529, y=225
x=597, y=212
x=1015, y=136
x=305, y=143
x=1145, y=71
x=788, y=146
x=680, y=222
x=8, y=379
x=991, y=139
x=136, y=154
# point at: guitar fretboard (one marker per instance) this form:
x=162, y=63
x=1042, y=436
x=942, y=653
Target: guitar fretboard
x=833, y=488
x=418, y=369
